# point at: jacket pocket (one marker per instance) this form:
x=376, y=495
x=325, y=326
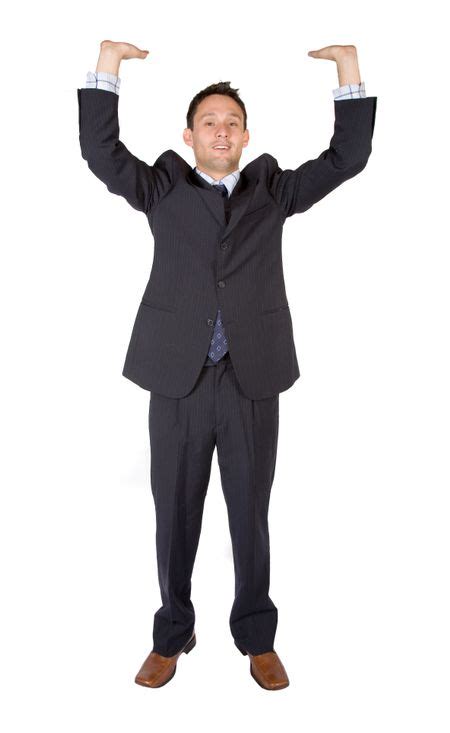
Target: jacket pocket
x=275, y=310
x=157, y=304
x=261, y=210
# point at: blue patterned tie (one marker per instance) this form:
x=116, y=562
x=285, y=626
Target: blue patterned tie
x=219, y=345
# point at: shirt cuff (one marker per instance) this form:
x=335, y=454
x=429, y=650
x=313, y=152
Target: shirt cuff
x=103, y=80
x=350, y=91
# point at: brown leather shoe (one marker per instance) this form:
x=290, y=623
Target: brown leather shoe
x=158, y=670
x=267, y=669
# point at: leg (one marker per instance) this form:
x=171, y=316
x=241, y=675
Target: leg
x=247, y=437
x=182, y=443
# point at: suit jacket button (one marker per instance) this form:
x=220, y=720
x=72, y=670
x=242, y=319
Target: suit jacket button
x=221, y=284
x=224, y=245
x=210, y=321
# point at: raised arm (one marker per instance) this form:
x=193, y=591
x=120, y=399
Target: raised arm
x=349, y=149
x=107, y=157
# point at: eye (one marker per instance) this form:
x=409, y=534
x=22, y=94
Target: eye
x=231, y=123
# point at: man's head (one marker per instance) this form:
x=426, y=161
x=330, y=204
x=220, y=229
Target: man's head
x=216, y=116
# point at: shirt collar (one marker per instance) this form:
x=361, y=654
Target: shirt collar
x=229, y=180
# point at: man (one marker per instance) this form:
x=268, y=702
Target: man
x=212, y=339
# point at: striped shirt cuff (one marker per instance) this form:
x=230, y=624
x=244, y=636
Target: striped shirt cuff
x=350, y=91
x=103, y=80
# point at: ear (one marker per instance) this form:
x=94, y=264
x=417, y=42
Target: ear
x=187, y=136
x=246, y=138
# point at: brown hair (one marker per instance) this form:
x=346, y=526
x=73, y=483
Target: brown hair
x=222, y=87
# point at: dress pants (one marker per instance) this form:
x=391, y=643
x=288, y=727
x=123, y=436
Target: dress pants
x=183, y=435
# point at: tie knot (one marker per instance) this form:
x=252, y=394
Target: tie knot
x=220, y=188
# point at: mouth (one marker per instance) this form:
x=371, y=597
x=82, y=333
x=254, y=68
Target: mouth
x=222, y=148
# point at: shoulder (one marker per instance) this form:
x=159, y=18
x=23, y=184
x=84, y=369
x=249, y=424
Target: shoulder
x=171, y=162
x=264, y=165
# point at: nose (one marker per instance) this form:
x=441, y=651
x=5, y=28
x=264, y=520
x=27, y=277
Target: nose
x=222, y=130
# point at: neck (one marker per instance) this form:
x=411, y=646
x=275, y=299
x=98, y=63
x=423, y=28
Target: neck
x=213, y=174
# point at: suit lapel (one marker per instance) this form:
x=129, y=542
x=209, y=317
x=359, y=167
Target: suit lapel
x=239, y=200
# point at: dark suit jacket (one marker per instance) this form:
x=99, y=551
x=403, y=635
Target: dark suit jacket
x=202, y=263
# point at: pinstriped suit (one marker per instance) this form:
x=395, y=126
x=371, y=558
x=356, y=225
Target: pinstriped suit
x=210, y=256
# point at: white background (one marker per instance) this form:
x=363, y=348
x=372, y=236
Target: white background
x=359, y=508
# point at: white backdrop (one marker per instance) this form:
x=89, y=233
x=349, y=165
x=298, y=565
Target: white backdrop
x=359, y=506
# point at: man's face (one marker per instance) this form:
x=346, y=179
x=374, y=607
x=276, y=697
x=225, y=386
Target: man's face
x=218, y=120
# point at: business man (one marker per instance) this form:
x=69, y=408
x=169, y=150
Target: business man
x=212, y=340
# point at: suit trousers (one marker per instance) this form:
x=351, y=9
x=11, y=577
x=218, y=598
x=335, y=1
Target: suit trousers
x=183, y=435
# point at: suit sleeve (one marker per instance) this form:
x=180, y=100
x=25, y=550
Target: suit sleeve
x=296, y=190
x=107, y=157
